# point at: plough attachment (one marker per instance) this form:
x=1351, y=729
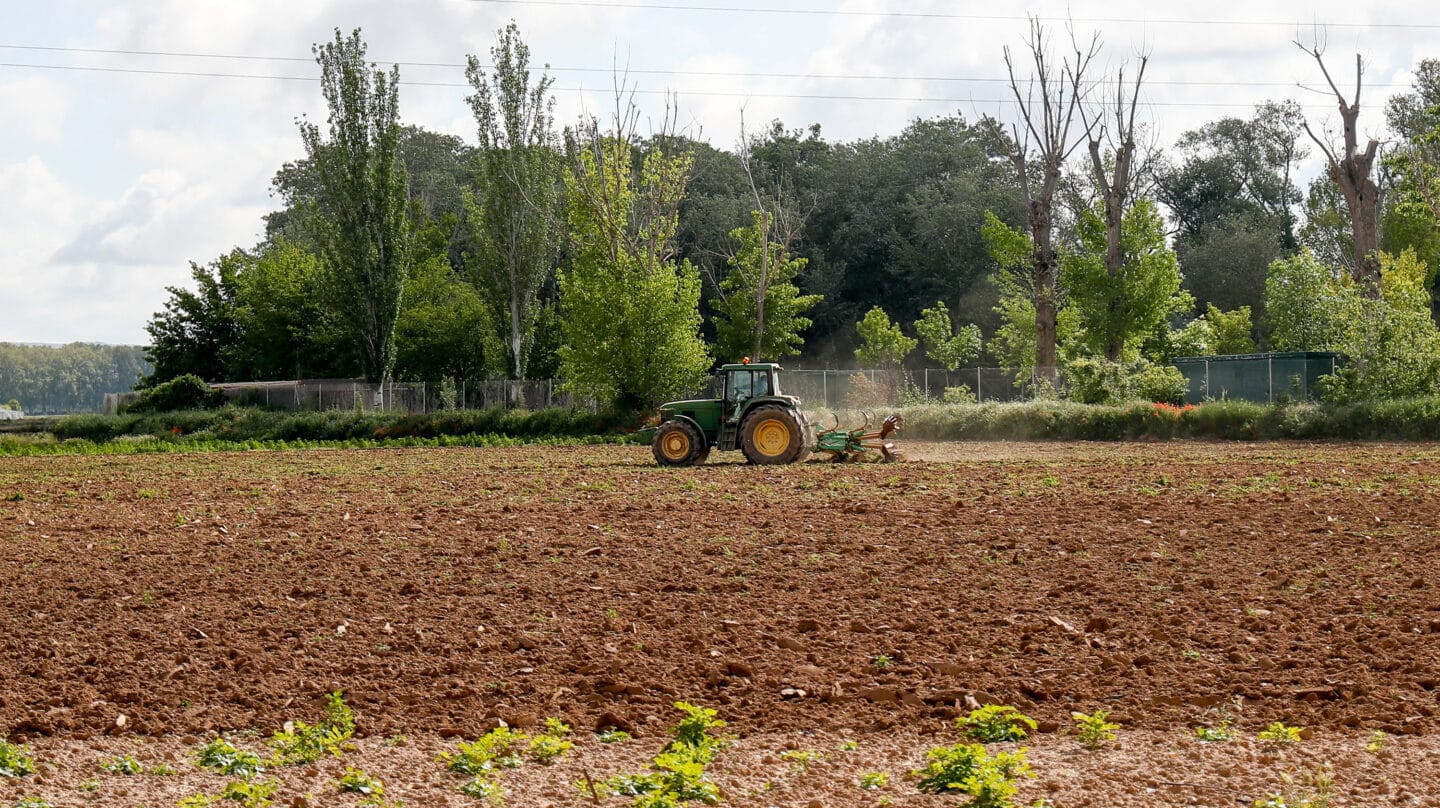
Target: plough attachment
x=845, y=446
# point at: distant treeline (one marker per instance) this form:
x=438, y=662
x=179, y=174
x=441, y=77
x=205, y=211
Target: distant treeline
x=69, y=378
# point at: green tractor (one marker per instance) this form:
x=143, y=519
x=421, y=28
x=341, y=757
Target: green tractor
x=752, y=415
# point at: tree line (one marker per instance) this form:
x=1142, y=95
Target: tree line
x=42, y=379
x=628, y=263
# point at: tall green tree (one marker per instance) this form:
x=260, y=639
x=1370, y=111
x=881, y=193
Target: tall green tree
x=363, y=224
x=882, y=343
x=197, y=329
x=516, y=222
x=1117, y=307
x=1307, y=304
x=943, y=342
x=630, y=308
x=762, y=278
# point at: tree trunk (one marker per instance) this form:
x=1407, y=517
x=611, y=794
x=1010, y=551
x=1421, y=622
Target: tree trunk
x=1046, y=290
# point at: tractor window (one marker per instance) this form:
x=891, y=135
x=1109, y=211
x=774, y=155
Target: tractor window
x=739, y=386
x=762, y=383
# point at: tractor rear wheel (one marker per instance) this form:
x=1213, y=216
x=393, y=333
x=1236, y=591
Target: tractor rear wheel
x=679, y=443
x=773, y=435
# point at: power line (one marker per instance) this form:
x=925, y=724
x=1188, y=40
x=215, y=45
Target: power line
x=639, y=71
x=681, y=92
x=940, y=15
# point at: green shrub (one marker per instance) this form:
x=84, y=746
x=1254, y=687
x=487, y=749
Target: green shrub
x=1094, y=730
x=499, y=748
x=1096, y=381
x=188, y=392
x=990, y=780
x=306, y=743
x=677, y=775
x=996, y=723
x=15, y=760
x=222, y=757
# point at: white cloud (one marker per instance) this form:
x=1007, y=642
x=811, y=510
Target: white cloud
x=136, y=175
x=37, y=108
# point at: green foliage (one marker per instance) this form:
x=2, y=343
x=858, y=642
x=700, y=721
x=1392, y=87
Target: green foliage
x=882, y=344
x=1307, y=304
x=1216, y=734
x=188, y=392
x=15, y=760
x=996, y=723
x=1392, y=345
x=1095, y=381
x=70, y=378
x=693, y=733
x=1115, y=311
x=251, y=793
x=305, y=743
x=362, y=222
x=224, y=758
x=800, y=759
x=874, y=780
x=1094, y=730
x=1278, y=735
x=32, y=802
x=630, y=310
x=516, y=225
x=285, y=329
x=122, y=764
x=482, y=787
x=195, y=329
x=612, y=735
x=197, y=801
x=760, y=276
x=444, y=329
x=942, y=343
x=1233, y=330
x=958, y=395
x=1377, y=742
x=236, y=424
x=677, y=774
x=545, y=748
x=355, y=781
x=499, y=748
x=989, y=780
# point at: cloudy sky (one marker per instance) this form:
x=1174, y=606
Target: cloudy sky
x=139, y=135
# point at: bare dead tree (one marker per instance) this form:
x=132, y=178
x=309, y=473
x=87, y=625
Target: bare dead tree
x=1119, y=186
x=1352, y=171
x=1049, y=102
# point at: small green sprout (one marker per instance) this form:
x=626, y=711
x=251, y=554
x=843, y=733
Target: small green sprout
x=1093, y=730
x=1279, y=735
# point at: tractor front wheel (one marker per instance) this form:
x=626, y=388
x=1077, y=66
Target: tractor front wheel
x=679, y=443
x=773, y=435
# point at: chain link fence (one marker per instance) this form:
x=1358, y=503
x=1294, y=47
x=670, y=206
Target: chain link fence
x=830, y=388
x=859, y=387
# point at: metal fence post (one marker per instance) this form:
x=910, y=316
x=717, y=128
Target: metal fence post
x=1270, y=378
x=978, y=398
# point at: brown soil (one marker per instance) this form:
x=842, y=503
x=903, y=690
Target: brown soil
x=444, y=590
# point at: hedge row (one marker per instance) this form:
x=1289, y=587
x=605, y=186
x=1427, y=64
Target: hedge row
x=1402, y=419
x=244, y=424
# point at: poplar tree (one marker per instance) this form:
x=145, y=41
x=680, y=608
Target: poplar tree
x=362, y=224
x=516, y=223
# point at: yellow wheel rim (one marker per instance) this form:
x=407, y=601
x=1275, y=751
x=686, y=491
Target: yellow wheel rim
x=772, y=438
x=675, y=445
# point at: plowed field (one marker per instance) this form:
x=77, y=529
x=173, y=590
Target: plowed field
x=445, y=589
